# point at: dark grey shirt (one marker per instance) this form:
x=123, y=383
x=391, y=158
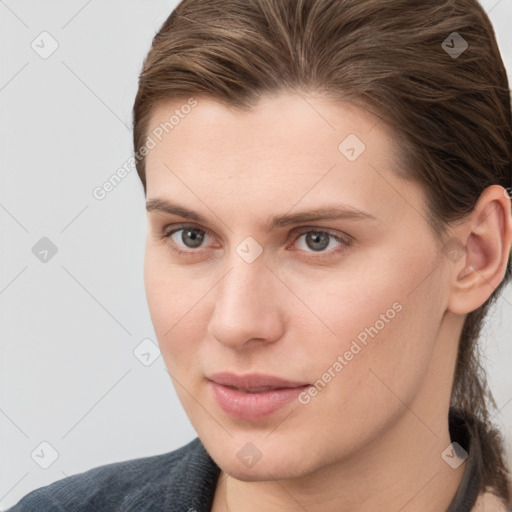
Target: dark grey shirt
x=184, y=480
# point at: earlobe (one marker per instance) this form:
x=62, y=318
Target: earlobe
x=486, y=236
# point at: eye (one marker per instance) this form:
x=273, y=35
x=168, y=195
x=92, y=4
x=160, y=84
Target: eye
x=188, y=239
x=316, y=240
x=191, y=237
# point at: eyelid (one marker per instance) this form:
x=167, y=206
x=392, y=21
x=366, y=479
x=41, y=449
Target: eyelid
x=176, y=227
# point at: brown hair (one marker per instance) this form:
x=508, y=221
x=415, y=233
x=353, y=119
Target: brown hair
x=451, y=113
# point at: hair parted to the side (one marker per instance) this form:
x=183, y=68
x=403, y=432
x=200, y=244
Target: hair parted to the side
x=451, y=116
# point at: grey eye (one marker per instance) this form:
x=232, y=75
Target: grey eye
x=316, y=240
x=191, y=237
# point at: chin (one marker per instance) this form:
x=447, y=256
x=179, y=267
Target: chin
x=260, y=459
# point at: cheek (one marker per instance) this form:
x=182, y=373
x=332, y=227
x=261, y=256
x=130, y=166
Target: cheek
x=383, y=325
x=173, y=300
x=381, y=294
x=170, y=291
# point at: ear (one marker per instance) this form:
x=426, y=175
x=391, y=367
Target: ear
x=479, y=251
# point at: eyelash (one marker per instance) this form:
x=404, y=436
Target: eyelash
x=346, y=243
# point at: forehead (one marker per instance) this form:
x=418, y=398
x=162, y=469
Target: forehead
x=280, y=121
x=288, y=148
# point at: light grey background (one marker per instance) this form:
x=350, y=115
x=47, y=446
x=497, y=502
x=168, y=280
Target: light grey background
x=69, y=326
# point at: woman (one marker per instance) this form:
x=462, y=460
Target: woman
x=329, y=220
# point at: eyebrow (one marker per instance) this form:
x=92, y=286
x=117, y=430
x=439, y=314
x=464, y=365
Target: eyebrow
x=327, y=212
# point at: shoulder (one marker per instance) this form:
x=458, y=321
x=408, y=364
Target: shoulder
x=133, y=484
x=489, y=502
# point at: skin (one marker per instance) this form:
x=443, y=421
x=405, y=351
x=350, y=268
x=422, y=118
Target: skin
x=372, y=438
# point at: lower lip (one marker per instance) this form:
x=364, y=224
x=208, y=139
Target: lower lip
x=252, y=406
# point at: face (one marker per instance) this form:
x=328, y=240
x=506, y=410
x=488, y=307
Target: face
x=305, y=259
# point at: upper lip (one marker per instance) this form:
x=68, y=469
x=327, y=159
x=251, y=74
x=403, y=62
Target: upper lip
x=254, y=380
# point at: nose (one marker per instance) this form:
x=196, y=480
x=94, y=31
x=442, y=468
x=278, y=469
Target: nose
x=247, y=306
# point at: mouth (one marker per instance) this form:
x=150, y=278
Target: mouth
x=254, y=396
